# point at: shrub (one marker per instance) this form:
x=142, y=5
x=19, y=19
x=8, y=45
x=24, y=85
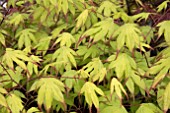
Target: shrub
x=107, y=56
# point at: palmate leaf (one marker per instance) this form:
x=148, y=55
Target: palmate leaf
x=65, y=39
x=90, y=89
x=162, y=6
x=43, y=44
x=117, y=87
x=17, y=18
x=164, y=29
x=65, y=55
x=16, y=56
x=58, y=29
x=92, y=52
x=26, y=36
x=101, y=30
x=141, y=16
x=160, y=68
x=15, y=103
x=81, y=19
x=124, y=65
x=33, y=67
x=130, y=35
x=50, y=89
x=148, y=108
x=95, y=70
x=107, y=8
x=68, y=78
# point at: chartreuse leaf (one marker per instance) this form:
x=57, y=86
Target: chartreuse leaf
x=114, y=109
x=90, y=89
x=58, y=29
x=141, y=16
x=92, y=51
x=113, y=105
x=160, y=68
x=129, y=35
x=107, y=8
x=16, y=56
x=148, y=108
x=163, y=29
x=65, y=56
x=15, y=103
x=166, y=97
x=43, y=44
x=81, y=19
x=95, y=70
x=17, y=18
x=117, y=87
x=3, y=101
x=162, y=6
x=65, y=39
x=34, y=110
x=68, y=77
x=2, y=37
x=101, y=30
x=124, y=65
x=33, y=66
x=50, y=89
x=26, y=36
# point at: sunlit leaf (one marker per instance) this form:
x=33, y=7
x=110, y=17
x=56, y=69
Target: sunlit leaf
x=50, y=89
x=129, y=35
x=65, y=39
x=89, y=90
x=15, y=103
x=16, y=56
x=163, y=29
x=117, y=87
x=95, y=69
x=148, y=108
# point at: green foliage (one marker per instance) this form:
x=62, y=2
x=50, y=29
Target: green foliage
x=104, y=56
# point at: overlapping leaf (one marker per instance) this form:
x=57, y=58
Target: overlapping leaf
x=117, y=87
x=26, y=37
x=129, y=35
x=107, y=8
x=16, y=56
x=65, y=39
x=43, y=44
x=89, y=89
x=93, y=51
x=64, y=58
x=95, y=70
x=68, y=77
x=15, y=103
x=166, y=97
x=162, y=6
x=101, y=30
x=17, y=18
x=164, y=29
x=81, y=19
x=3, y=101
x=160, y=68
x=2, y=37
x=148, y=108
x=49, y=89
x=124, y=65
